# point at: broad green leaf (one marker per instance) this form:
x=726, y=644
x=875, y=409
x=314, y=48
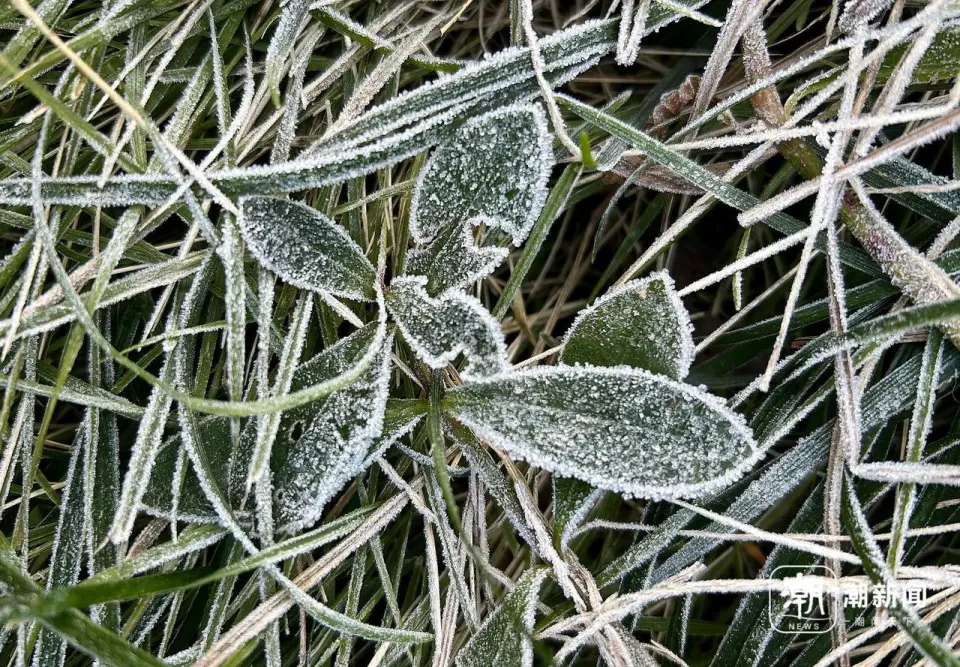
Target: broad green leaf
x=305, y=248
x=620, y=429
x=506, y=637
x=493, y=170
x=452, y=260
x=312, y=465
x=311, y=457
x=881, y=402
x=642, y=324
x=440, y=329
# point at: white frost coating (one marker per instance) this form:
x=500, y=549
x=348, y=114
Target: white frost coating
x=494, y=169
x=453, y=261
x=572, y=502
x=505, y=636
x=305, y=248
x=440, y=329
x=642, y=323
x=333, y=447
x=621, y=429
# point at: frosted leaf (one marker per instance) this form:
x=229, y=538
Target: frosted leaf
x=505, y=638
x=494, y=170
x=857, y=14
x=67, y=554
x=572, y=501
x=314, y=460
x=295, y=425
x=305, y=248
x=192, y=505
x=620, y=429
x=439, y=329
x=452, y=260
x=642, y=324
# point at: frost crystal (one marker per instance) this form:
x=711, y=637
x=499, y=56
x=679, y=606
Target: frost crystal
x=493, y=170
x=505, y=637
x=439, y=329
x=305, y=248
x=620, y=429
x=452, y=260
x=642, y=324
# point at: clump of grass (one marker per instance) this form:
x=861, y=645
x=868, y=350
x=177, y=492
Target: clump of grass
x=470, y=333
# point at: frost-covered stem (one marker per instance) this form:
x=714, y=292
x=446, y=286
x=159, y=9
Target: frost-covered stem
x=559, y=127
x=920, y=279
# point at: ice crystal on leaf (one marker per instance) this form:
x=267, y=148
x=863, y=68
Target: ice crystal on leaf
x=305, y=248
x=505, y=638
x=440, y=329
x=619, y=429
x=493, y=170
x=642, y=324
x=452, y=260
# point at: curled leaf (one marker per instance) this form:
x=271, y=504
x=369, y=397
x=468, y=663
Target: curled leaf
x=440, y=329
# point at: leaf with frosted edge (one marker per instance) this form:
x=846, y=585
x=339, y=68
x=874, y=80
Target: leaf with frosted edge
x=311, y=466
x=620, y=429
x=67, y=555
x=642, y=324
x=506, y=636
x=572, y=501
x=305, y=248
x=452, y=260
x=440, y=329
x=193, y=505
x=284, y=37
x=493, y=170
x=295, y=424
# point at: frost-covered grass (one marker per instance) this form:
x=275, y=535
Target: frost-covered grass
x=472, y=333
